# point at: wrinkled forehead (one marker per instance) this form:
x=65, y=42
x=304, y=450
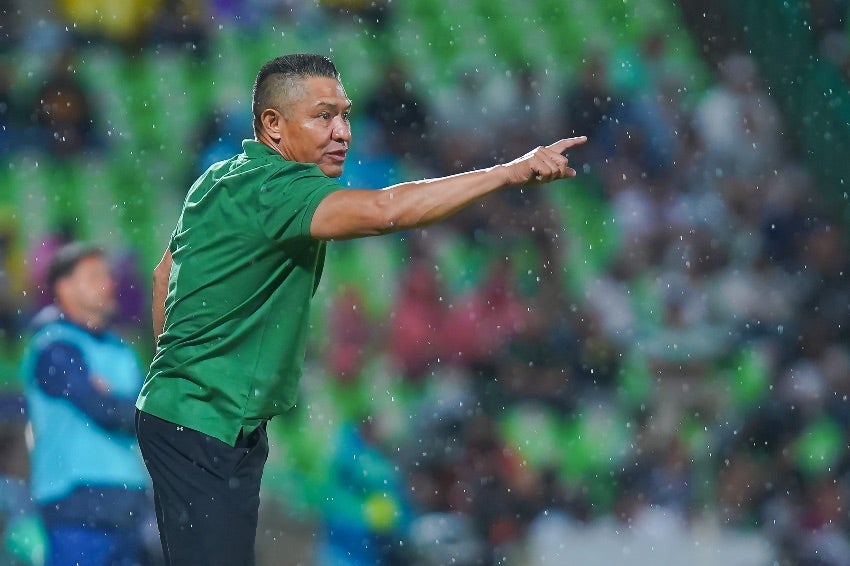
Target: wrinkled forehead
x=310, y=91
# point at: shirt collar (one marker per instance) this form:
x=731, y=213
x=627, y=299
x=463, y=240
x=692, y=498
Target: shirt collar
x=253, y=148
x=53, y=314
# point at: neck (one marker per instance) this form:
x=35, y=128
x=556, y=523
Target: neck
x=265, y=139
x=92, y=321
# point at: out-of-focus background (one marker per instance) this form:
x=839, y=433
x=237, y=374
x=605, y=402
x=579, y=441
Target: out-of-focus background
x=648, y=364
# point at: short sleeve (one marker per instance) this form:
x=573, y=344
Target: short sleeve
x=288, y=200
x=172, y=242
x=176, y=231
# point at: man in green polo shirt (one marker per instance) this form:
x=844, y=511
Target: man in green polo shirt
x=232, y=297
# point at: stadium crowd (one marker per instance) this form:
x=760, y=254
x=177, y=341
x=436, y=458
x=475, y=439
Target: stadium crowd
x=652, y=361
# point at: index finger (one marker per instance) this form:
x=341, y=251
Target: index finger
x=561, y=146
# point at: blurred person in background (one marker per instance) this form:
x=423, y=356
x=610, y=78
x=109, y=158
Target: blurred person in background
x=737, y=122
x=365, y=512
x=371, y=12
x=62, y=112
x=37, y=262
x=9, y=118
x=233, y=290
x=592, y=105
x=181, y=23
x=400, y=112
x=348, y=335
x=12, y=280
x=123, y=23
x=81, y=382
x=417, y=337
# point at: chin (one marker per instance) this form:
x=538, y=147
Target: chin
x=332, y=171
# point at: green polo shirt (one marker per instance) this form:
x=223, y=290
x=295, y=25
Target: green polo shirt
x=236, y=315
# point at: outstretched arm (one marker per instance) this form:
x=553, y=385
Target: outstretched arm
x=160, y=290
x=354, y=213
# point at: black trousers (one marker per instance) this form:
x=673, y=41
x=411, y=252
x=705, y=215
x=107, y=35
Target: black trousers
x=206, y=492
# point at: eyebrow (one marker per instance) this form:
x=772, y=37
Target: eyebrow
x=331, y=105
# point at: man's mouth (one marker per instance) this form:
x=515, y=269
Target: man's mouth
x=338, y=156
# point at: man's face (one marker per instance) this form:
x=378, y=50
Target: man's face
x=315, y=127
x=89, y=290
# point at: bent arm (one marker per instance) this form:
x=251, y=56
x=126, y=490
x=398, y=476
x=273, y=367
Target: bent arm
x=61, y=371
x=160, y=290
x=354, y=213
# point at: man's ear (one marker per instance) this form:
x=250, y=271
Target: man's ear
x=271, y=120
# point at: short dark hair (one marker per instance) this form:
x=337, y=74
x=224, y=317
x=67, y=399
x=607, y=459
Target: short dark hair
x=65, y=261
x=288, y=68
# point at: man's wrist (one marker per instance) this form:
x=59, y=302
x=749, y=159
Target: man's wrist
x=501, y=174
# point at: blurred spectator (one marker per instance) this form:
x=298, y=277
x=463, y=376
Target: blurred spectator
x=635, y=211
x=10, y=121
x=81, y=382
x=443, y=529
x=250, y=15
x=835, y=48
x=485, y=320
x=180, y=23
x=131, y=315
x=521, y=107
x=38, y=261
x=822, y=253
x=446, y=538
x=737, y=121
x=651, y=84
x=670, y=481
x=12, y=281
x=220, y=136
x=400, y=112
x=496, y=489
x=370, y=12
x=348, y=335
x=755, y=297
x=10, y=24
x=538, y=362
x=785, y=211
x=366, y=513
x=62, y=112
x=591, y=102
x=417, y=333
x=822, y=536
x=828, y=16
x=124, y=23
x=591, y=107
x=467, y=129
x=835, y=366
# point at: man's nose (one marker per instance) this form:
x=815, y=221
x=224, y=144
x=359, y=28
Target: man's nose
x=342, y=131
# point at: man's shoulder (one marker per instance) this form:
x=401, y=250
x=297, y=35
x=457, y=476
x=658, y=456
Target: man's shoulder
x=49, y=326
x=245, y=168
x=295, y=172
x=55, y=337
x=45, y=317
x=258, y=179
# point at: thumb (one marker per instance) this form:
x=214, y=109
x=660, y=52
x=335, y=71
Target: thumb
x=561, y=146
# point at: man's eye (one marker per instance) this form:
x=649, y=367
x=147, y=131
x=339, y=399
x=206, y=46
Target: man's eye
x=346, y=116
x=325, y=115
